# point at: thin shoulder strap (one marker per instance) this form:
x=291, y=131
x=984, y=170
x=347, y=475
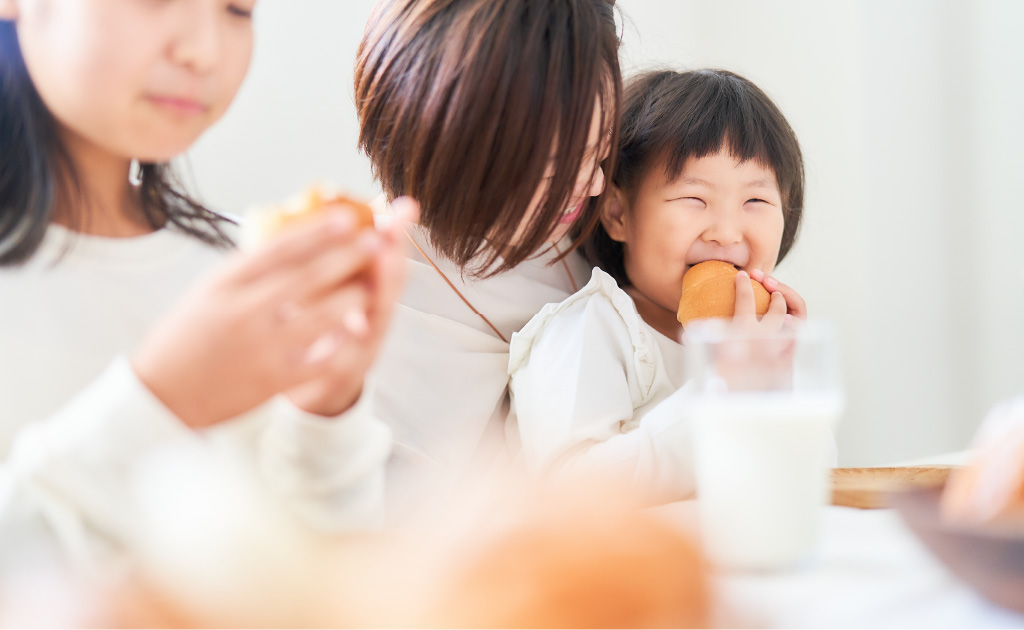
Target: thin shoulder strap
x=454, y=288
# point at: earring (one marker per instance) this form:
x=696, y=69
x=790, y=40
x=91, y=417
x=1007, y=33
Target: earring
x=135, y=173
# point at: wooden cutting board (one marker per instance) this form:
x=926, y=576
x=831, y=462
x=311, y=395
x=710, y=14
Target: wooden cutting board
x=871, y=488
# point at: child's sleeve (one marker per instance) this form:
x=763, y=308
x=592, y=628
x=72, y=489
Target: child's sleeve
x=577, y=376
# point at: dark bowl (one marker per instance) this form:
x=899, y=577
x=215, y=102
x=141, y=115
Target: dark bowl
x=991, y=560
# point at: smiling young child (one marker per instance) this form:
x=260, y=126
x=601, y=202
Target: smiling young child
x=708, y=169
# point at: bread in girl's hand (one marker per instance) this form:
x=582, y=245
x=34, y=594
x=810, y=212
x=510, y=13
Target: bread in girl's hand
x=709, y=291
x=266, y=223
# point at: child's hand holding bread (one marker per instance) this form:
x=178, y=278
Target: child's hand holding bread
x=715, y=289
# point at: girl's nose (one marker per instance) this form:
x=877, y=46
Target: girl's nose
x=723, y=230
x=198, y=42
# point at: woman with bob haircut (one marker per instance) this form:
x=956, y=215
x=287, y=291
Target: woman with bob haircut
x=496, y=116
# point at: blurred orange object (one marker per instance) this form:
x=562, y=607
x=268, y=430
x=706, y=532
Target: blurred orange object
x=574, y=561
x=265, y=223
x=507, y=555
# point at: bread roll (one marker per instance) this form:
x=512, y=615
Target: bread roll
x=577, y=563
x=266, y=223
x=709, y=291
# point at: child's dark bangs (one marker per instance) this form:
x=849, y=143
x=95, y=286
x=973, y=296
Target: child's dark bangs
x=720, y=117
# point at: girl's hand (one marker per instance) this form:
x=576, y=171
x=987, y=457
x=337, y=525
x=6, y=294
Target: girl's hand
x=745, y=316
x=353, y=350
x=765, y=362
x=245, y=332
x=795, y=304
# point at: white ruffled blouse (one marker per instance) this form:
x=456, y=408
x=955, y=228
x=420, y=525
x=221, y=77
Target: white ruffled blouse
x=595, y=387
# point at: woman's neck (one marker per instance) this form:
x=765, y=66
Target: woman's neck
x=657, y=317
x=108, y=205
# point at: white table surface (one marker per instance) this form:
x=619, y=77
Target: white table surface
x=868, y=571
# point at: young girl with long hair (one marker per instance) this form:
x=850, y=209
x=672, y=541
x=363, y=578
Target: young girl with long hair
x=126, y=323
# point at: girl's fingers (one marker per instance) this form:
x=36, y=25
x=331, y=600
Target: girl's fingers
x=311, y=280
x=745, y=304
x=343, y=311
x=388, y=282
x=389, y=268
x=775, y=318
x=326, y=329
x=406, y=210
x=298, y=245
x=791, y=323
x=324, y=274
x=794, y=303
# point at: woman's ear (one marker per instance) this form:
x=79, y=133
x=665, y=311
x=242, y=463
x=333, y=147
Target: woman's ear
x=8, y=10
x=613, y=215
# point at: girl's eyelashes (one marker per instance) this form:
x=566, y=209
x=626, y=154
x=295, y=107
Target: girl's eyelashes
x=240, y=11
x=691, y=200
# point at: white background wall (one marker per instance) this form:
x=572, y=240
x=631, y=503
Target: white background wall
x=909, y=114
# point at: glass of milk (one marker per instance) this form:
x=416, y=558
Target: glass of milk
x=766, y=404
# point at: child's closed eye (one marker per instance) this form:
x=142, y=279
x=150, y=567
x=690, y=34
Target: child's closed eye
x=694, y=201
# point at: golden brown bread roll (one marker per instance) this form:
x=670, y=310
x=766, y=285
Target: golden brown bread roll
x=574, y=562
x=709, y=291
x=267, y=223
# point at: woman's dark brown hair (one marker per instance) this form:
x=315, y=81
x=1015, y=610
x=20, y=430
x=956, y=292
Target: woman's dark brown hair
x=669, y=117
x=463, y=104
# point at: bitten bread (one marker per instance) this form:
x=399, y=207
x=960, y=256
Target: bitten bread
x=709, y=291
x=266, y=223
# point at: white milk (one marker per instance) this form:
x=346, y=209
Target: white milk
x=762, y=467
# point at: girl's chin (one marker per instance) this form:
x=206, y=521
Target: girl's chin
x=560, y=232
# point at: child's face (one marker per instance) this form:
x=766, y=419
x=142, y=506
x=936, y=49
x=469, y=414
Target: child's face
x=717, y=208
x=136, y=78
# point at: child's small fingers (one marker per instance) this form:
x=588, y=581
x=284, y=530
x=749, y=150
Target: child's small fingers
x=794, y=303
x=791, y=323
x=775, y=317
x=745, y=304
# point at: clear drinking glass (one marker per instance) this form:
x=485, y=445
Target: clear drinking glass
x=766, y=406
